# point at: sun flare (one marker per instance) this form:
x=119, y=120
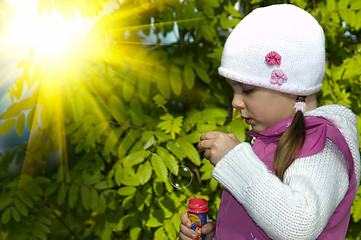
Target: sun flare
x=47, y=34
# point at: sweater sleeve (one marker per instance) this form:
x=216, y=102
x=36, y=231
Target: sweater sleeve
x=297, y=208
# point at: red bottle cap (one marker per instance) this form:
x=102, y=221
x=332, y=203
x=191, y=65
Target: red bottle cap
x=197, y=205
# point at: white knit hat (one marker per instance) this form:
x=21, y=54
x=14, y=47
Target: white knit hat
x=279, y=47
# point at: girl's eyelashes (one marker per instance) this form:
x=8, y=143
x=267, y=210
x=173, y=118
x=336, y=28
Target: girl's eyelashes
x=247, y=90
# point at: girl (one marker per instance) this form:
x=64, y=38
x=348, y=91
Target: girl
x=299, y=176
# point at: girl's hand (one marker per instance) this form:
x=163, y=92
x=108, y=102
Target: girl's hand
x=216, y=145
x=186, y=233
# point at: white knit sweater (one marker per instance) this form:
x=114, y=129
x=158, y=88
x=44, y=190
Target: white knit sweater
x=300, y=206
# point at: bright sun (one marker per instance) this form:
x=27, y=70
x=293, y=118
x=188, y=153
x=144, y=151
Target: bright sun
x=46, y=34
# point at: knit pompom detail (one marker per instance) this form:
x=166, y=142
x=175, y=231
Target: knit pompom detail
x=273, y=58
x=278, y=76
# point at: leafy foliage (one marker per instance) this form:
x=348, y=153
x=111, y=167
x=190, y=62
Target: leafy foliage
x=124, y=132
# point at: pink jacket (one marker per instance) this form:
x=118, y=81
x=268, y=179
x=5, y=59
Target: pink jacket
x=233, y=221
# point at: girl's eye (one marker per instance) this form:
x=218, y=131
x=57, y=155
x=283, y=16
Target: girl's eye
x=247, y=91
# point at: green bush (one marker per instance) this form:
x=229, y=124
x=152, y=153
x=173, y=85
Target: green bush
x=121, y=118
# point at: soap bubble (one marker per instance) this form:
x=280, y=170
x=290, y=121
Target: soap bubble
x=180, y=177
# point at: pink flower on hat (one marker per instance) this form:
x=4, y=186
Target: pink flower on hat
x=273, y=58
x=278, y=76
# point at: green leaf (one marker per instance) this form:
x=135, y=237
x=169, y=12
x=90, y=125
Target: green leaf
x=5, y=202
x=158, y=188
x=159, y=100
x=144, y=87
x=213, y=184
x=129, y=82
x=231, y=10
x=73, y=194
x=238, y=129
x=128, y=202
x=160, y=234
x=170, y=124
x=169, y=160
x=39, y=234
x=45, y=117
x=20, y=123
x=15, y=214
x=62, y=191
x=169, y=229
x=85, y=196
x=189, y=76
x=102, y=203
x=117, y=109
x=227, y=22
x=356, y=207
x=208, y=10
x=156, y=219
x=144, y=172
x=175, y=79
x=343, y=4
x=202, y=74
x=175, y=148
x=127, y=142
x=356, y=5
x=118, y=174
x=209, y=33
x=159, y=167
x=42, y=227
x=126, y=221
x=16, y=108
x=126, y=191
x=135, y=232
x=112, y=140
x=94, y=199
x=129, y=177
x=216, y=115
x=135, y=158
x=5, y=217
x=44, y=220
x=21, y=207
x=213, y=3
x=190, y=150
x=161, y=79
x=31, y=119
x=139, y=201
x=331, y=5
x=7, y=125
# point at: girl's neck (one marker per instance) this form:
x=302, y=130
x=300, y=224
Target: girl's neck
x=311, y=102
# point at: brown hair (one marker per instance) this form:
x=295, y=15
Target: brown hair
x=290, y=145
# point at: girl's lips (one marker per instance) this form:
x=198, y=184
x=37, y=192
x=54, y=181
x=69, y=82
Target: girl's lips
x=249, y=121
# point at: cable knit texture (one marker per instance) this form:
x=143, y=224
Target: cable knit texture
x=313, y=186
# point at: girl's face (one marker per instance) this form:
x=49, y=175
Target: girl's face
x=261, y=107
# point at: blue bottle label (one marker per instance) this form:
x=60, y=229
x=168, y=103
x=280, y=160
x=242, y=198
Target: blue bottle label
x=198, y=221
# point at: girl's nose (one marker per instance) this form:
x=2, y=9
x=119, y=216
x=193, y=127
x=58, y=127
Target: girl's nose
x=238, y=102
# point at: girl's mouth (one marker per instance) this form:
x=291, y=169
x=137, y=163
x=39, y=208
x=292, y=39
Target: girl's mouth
x=249, y=121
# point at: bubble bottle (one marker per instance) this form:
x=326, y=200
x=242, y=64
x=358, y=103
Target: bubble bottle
x=197, y=213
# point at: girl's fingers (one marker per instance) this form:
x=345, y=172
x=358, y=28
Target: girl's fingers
x=208, y=228
x=186, y=233
x=209, y=135
x=185, y=220
x=205, y=144
x=184, y=237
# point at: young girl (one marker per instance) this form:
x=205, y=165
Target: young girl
x=299, y=176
